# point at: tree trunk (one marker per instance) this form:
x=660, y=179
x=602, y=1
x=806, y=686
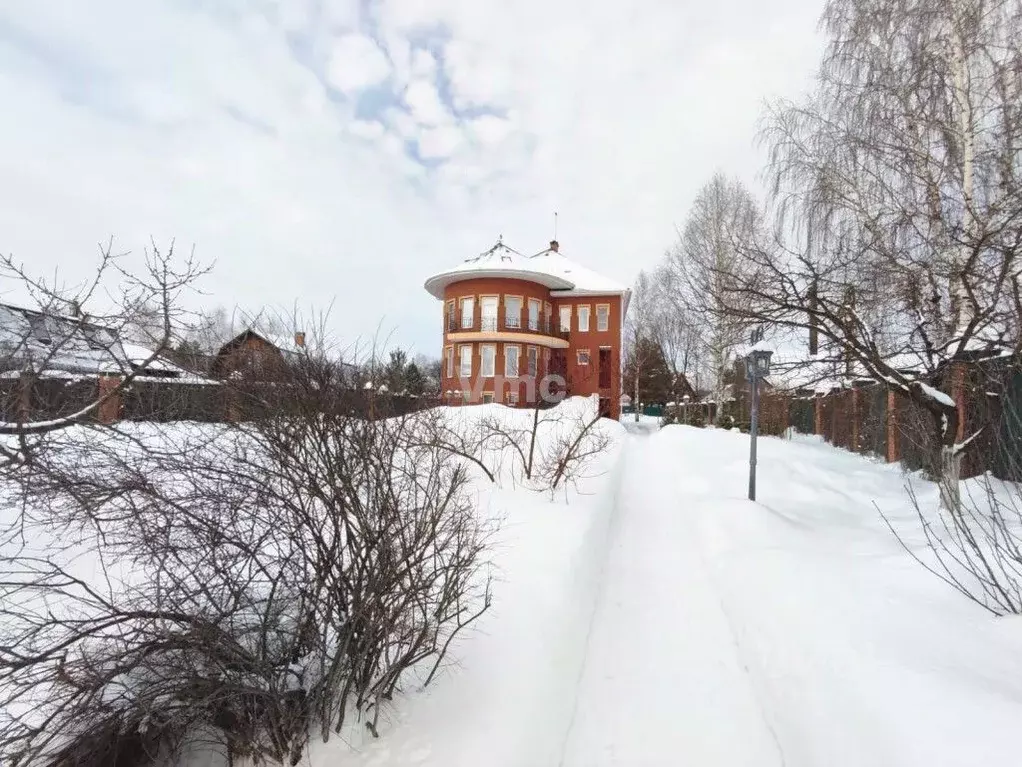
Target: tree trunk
x=635, y=404
x=950, y=461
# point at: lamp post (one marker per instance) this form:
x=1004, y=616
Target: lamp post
x=685, y=399
x=757, y=367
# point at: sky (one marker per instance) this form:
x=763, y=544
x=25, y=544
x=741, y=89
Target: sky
x=335, y=153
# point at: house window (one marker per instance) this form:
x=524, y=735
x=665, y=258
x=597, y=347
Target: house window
x=533, y=314
x=449, y=355
x=602, y=317
x=547, y=311
x=488, y=352
x=511, y=361
x=583, y=318
x=488, y=312
x=468, y=306
x=512, y=398
x=513, y=312
x=532, y=360
x=565, y=319
x=487, y=397
x=465, y=358
x=451, y=325
x=582, y=356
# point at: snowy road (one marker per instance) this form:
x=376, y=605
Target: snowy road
x=664, y=678
x=657, y=618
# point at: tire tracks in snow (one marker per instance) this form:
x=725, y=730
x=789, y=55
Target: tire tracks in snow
x=741, y=652
x=598, y=597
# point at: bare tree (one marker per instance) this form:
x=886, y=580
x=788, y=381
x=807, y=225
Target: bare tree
x=674, y=329
x=638, y=328
x=899, y=207
x=706, y=263
x=78, y=329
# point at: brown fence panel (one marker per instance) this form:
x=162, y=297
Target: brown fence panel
x=173, y=401
x=873, y=419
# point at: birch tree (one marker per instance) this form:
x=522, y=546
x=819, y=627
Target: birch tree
x=707, y=261
x=896, y=186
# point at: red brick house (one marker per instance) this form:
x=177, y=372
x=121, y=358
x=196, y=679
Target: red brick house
x=526, y=329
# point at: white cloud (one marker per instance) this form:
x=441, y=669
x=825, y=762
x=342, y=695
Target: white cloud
x=440, y=142
x=367, y=129
x=356, y=62
x=424, y=103
x=490, y=129
x=423, y=64
x=162, y=119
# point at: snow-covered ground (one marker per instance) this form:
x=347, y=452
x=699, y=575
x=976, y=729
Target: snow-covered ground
x=662, y=619
x=650, y=615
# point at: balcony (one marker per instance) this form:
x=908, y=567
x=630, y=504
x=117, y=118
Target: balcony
x=503, y=324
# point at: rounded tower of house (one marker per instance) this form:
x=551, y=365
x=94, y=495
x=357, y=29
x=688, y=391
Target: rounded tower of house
x=525, y=330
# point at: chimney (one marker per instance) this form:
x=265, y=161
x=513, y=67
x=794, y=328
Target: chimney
x=300, y=339
x=554, y=245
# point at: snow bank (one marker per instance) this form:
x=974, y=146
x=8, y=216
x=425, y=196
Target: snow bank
x=509, y=700
x=856, y=655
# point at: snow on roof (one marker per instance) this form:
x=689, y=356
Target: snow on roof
x=549, y=268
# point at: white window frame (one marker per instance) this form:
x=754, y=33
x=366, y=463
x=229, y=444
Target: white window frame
x=450, y=315
x=470, y=302
x=604, y=326
x=517, y=358
x=583, y=311
x=513, y=319
x=535, y=302
x=578, y=357
x=532, y=360
x=512, y=398
x=449, y=361
x=463, y=358
x=487, y=397
x=494, y=301
x=483, y=349
x=564, y=313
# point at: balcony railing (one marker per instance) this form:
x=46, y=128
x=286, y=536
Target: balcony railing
x=505, y=323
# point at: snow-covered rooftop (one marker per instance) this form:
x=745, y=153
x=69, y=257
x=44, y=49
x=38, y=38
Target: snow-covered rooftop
x=549, y=268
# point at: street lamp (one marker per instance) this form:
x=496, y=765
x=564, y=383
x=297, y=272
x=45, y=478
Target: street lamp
x=685, y=399
x=757, y=367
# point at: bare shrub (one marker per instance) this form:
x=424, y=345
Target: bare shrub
x=262, y=581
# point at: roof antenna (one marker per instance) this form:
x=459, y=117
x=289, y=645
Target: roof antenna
x=554, y=245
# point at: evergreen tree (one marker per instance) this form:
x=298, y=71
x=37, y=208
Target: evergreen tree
x=655, y=377
x=415, y=382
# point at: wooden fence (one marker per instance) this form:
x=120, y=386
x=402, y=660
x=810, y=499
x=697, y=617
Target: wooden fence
x=41, y=399
x=870, y=418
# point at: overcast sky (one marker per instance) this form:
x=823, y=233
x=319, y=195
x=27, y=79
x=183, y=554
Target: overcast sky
x=342, y=151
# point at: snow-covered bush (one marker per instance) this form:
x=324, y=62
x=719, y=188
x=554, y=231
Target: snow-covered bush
x=258, y=582
x=542, y=448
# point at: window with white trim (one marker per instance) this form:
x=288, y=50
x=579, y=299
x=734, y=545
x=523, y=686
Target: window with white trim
x=487, y=397
x=511, y=353
x=488, y=312
x=468, y=307
x=602, y=317
x=565, y=319
x=449, y=357
x=583, y=318
x=512, y=398
x=512, y=312
x=465, y=360
x=533, y=314
x=533, y=360
x=488, y=357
